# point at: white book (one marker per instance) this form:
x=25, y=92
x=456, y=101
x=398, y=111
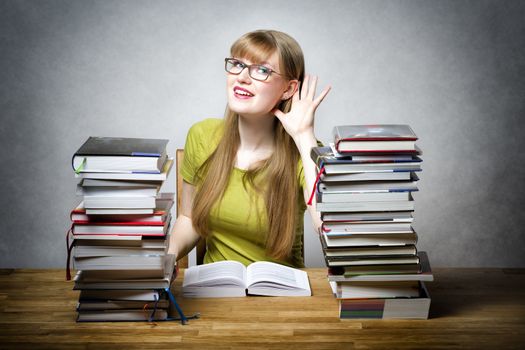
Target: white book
x=118, y=183
x=375, y=289
x=366, y=206
x=128, y=176
x=327, y=197
x=366, y=227
x=371, y=251
x=367, y=187
x=405, y=216
x=142, y=295
x=425, y=274
x=79, y=229
x=369, y=176
x=117, y=191
x=87, y=251
x=97, y=202
x=359, y=240
x=233, y=279
x=371, y=167
x=136, y=262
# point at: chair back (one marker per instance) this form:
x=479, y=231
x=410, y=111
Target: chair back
x=201, y=245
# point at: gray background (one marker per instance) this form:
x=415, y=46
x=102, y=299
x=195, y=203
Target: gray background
x=453, y=70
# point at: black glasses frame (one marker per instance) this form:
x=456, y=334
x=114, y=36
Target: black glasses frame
x=250, y=67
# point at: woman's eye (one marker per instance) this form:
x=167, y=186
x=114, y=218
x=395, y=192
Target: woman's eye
x=263, y=70
x=238, y=64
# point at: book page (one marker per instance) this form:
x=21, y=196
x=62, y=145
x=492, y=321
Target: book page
x=276, y=275
x=221, y=273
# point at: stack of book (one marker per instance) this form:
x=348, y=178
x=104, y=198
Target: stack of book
x=364, y=195
x=120, y=230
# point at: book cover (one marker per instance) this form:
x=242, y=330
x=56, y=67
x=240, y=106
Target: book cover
x=381, y=138
x=122, y=146
x=378, y=132
x=120, y=154
x=387, y=308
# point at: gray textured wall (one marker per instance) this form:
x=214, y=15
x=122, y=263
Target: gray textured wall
x=453, y=70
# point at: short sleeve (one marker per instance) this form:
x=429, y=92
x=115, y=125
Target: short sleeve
x=201, y=141
x=300, y=174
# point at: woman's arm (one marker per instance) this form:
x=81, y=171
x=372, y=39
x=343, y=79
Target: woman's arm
x=299, y=123
x=183, y=236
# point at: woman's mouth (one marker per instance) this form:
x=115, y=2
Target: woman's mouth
x=242, y=93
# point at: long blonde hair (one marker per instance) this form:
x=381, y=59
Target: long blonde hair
x=280, y=169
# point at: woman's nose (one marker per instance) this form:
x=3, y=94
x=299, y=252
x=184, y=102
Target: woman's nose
x=244, y=76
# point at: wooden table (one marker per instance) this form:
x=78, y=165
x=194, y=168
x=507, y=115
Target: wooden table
x=471, y=308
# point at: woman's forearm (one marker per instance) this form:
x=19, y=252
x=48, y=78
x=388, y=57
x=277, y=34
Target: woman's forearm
x=305, y=143
x=183, y=237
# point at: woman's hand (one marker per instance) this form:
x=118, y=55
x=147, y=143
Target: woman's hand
x=299, y=121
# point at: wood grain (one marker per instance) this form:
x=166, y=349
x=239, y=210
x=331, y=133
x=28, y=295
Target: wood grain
x=471, y=309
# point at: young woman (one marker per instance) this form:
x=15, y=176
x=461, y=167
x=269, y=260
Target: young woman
x=247, y=177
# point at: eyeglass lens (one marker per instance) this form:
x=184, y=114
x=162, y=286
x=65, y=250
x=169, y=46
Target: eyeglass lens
x=255, y=71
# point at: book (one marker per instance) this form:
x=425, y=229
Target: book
x=327, y=197
x=376, y=269
x=85, y=280
x=128, y=295
x=368, y=187
x=120, y=305
x=376, y=289
x=98, y=248
x=325, y=157
x=346, y=260
x=377, y=157
x=136, y=262
x=387, y=308
x=163, y=201
x=401, y=216
x=134, y=242
x=369, y=176
x=117, y=191
x=118, y=183
x=96, y=202
x=159, y=214
x=122, y=315
x=383, y=138
x=233, y=279
x=423, y=273
x=395, y=205
x=356, y=240
x=119, y=154
x=158, y=228
x=366, y=227
x=371, y=251
x=163, y=175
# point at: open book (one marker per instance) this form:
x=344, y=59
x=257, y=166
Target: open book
x=233, y=279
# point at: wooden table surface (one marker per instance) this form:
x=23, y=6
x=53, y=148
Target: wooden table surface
x=471, y=308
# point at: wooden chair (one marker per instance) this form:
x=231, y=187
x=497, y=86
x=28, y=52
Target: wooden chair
x=201, y=246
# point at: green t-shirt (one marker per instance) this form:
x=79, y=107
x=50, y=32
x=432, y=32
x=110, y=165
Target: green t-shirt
x=238, y=224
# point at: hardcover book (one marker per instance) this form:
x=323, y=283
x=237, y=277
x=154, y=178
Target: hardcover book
x=387, y=308
x=119, y=154
x=383, y=138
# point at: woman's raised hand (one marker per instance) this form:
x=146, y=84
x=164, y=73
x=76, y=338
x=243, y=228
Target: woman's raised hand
x=300, y=119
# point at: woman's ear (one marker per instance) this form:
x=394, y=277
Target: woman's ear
x=292, y=87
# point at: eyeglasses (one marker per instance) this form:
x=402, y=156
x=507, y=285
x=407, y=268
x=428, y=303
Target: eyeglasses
x=256, y=71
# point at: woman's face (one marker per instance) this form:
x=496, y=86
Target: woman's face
x=252, y=98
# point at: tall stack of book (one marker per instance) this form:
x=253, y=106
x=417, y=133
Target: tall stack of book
x=364, y=195
x=120, y=230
